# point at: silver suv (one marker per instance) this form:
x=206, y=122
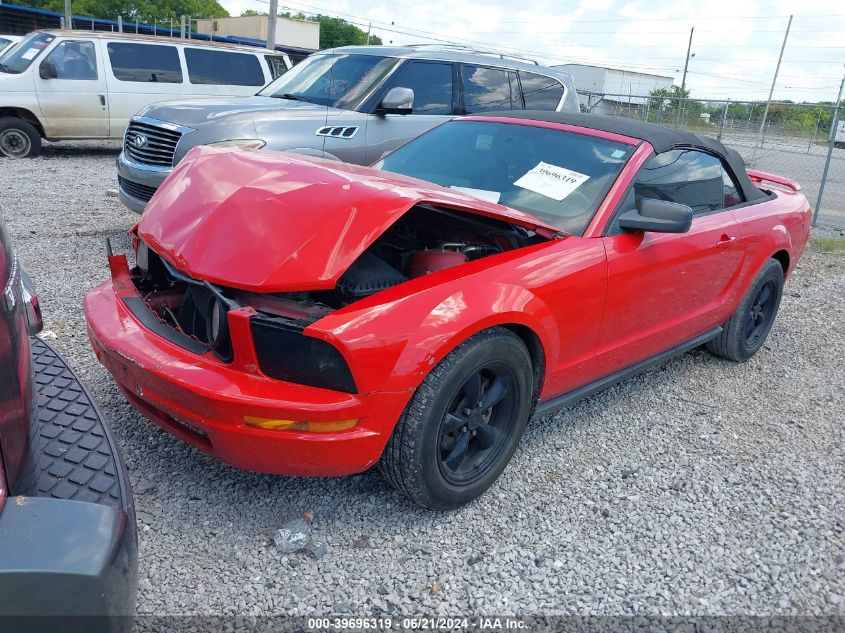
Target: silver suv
x=353, y=104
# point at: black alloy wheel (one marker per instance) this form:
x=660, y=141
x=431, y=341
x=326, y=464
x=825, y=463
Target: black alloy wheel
x=749, y=326
x=477, y=423
x=462, y=426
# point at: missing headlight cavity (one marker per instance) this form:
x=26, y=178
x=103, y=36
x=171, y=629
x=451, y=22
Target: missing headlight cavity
x=425, y=240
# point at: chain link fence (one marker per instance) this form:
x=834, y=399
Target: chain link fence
x=793, y=143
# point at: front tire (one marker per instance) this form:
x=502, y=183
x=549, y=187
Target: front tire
x=746, y=331
x=464, y=422
x=18, y=138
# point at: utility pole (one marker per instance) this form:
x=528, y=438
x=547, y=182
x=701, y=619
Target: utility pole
x=761, y=134
x=68, y=15
x=272, y=18
x=369, y=28
x=834, y=125
x=686, y=63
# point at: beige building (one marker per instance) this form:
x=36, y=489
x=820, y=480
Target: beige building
x=294, y=33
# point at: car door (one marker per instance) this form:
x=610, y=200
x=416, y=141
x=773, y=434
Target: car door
x=71, y=89
x=665, y=289
x=433, y=83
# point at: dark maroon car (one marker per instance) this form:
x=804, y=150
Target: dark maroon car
x=67, y=522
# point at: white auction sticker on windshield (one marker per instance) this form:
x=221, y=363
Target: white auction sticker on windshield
x=30, y=54
x=551, y=181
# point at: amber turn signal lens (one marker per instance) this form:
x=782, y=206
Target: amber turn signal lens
x=294, y=425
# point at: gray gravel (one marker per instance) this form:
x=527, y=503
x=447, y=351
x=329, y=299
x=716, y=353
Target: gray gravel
x=703, y=487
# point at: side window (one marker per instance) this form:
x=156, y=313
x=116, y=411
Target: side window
x=74, y=60
x=210, y=67
x=145, y=63
x=432, y=86
x=685, y=176
x=277, y=65
x=540, y=92
x=486, y=89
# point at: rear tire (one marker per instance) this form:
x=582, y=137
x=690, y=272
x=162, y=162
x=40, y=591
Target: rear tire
x=18, y=138
x=746, y=331
x=449, y=446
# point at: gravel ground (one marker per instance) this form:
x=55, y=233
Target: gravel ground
x=702, y=487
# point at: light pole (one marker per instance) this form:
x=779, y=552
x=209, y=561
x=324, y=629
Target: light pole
x=272, y=19
x=833, y=127
x=686, y=63
x=761, y=135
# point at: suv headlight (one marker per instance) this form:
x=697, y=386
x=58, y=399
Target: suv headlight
x=241, y=143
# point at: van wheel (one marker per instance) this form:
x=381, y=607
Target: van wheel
x=18, y=139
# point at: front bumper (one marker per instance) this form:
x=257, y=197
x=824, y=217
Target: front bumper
x=67, y=542
x=137, y=183
x=203, y=400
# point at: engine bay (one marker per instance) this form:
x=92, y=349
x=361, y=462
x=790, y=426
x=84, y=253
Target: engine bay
x=423, y=241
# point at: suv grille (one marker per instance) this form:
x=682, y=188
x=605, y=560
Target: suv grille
x=150, y=144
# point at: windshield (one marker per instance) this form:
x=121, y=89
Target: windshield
x=338, y=81
x=559, y=177
x=18, y=58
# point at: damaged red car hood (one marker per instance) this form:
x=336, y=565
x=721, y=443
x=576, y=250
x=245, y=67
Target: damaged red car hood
x=274, y=222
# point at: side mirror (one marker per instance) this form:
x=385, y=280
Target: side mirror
x=397, y=101
x=660, y=216
x=48, y=70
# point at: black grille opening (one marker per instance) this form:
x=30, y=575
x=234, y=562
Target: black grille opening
x=135, y=190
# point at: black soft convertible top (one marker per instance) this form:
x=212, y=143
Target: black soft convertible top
x=661, y=138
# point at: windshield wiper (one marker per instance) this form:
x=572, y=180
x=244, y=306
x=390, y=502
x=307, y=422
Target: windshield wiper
x=5, y=69
x=293, y=97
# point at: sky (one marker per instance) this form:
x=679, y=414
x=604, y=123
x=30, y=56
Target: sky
x=735, y=44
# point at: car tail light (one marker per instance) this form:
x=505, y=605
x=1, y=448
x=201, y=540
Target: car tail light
x=3, y=491
x=20, y=288
x=31, y=307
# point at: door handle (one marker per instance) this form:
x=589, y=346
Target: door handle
x=103, y=100
x=726, y=239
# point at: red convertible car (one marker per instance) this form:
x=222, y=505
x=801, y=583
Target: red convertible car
x=297, y=316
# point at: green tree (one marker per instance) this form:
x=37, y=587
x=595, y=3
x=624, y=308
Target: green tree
x=664, y=104
x=337, y=32
x=131, y=10
x=673, y=92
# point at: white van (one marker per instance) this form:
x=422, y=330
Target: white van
x=58, y=85
x=7, y=41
